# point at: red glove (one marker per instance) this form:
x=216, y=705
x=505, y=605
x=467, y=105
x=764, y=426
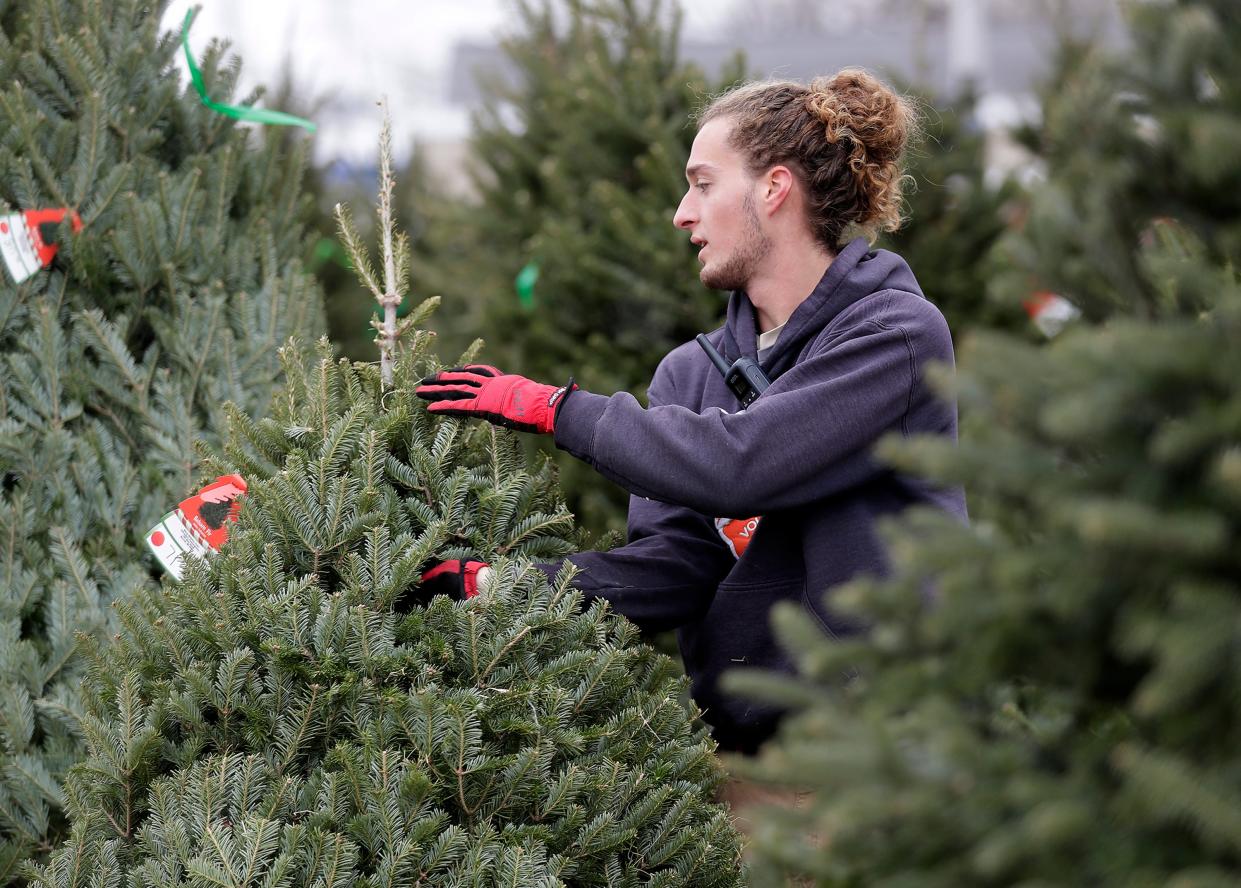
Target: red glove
x=456, y=579
x=483, y=392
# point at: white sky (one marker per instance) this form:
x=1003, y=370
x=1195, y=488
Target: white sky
x=360, y=50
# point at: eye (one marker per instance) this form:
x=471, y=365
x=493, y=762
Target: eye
x=703, y=186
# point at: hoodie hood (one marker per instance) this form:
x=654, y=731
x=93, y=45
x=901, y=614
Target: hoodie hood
x=855, y=273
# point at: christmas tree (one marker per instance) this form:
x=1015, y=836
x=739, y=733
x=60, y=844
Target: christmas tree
x=568, y=261
x=1050, y=696
x=121, y=349
x=297, y=712
x=1132, y=142
x=1065, y=711
x=954, y=216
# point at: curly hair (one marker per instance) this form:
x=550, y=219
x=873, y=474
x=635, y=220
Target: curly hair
x=843, y=136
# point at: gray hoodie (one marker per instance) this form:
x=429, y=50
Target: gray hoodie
x=848, y=368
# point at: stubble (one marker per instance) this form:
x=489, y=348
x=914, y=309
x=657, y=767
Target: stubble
x=737, y=270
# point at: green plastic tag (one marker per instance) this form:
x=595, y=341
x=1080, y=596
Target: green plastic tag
x=526, y=279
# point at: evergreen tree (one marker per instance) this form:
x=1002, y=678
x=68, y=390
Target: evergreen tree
x=580, y=167
x=1132, y=142
x=296, y=712
x=955, y=217
x=292, y=714
x=119, y=357
x=1066, y=712
x=1051, y=695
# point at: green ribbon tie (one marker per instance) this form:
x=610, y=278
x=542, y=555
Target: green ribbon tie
x=237, y=112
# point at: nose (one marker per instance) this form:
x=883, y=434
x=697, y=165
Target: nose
x=685, y=216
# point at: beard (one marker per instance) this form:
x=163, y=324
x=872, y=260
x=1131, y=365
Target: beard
x=735, y=272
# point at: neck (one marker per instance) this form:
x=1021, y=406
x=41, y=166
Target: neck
x=787, y=279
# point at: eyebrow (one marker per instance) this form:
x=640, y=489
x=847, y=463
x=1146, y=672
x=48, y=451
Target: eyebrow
x=694, y=169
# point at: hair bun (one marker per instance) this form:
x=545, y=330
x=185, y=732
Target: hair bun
x=856, y=105
x=857, y=108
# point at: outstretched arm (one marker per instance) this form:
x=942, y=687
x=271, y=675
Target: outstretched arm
x=807, y=438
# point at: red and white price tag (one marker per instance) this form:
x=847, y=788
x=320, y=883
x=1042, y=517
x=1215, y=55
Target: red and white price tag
x=198, y=526
x=28, y=240
x=1051, y=312
x=21, y=257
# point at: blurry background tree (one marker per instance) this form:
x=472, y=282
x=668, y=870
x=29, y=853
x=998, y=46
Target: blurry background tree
x=580, y=166
x=118, y=360
x=954, y=216
x=1132, y=141
x=1066, y=711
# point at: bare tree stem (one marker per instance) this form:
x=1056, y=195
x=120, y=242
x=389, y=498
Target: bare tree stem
x=391, y=298
x=395, y=271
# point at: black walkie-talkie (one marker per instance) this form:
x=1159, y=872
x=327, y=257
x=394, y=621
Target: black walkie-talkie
x=744, y=378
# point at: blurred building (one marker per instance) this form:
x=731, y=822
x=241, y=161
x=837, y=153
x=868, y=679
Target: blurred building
x=1000, y=49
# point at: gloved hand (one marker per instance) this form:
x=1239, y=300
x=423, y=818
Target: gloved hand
x=458, y=580
x=484, y=392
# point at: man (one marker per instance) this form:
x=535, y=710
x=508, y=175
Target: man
x=734, y=510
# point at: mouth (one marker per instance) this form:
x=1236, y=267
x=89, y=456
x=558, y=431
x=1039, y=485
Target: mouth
x=700, y=244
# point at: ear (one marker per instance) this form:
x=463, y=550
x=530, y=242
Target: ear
x=775, y=187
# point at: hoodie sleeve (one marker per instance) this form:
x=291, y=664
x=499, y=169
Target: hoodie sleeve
x=667, y=573
x=808, y=437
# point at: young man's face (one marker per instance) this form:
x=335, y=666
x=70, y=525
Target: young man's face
x=718, y=210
